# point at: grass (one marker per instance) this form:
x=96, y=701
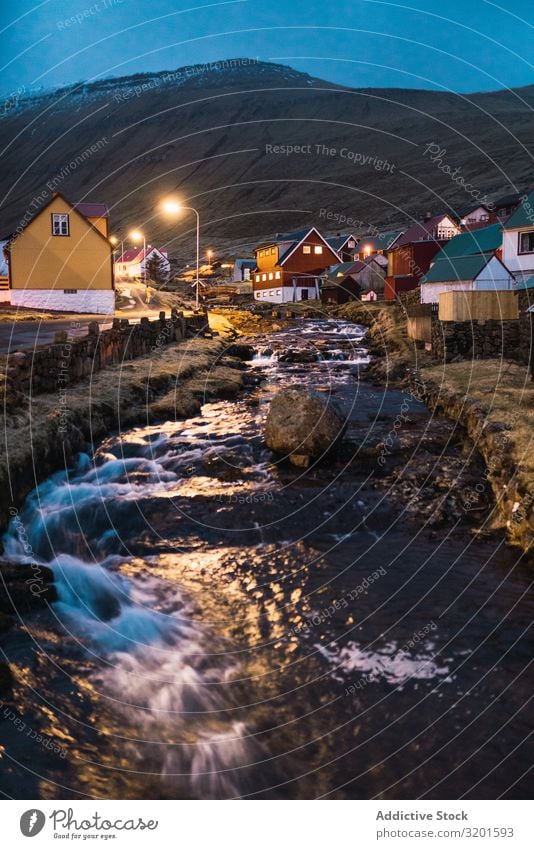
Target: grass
x=504, y=391
x=42, y=435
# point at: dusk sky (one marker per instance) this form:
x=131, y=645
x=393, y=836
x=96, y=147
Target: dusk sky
x=471, y=45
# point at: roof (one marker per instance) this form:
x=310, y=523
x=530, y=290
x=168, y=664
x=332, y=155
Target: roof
x=138, y=255
x=92, y=210
x=457, y=268
x=299, y=237
x=295, y=236
x=523, y=215
x=338, y=242
x=484, y=240
x=73, y=206
x=382, y=240
x=422, y=230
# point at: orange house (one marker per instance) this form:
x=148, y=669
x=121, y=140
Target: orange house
x=291, y=267
x=62, y=259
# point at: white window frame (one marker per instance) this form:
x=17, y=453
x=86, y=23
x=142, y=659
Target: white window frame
x=60, y=224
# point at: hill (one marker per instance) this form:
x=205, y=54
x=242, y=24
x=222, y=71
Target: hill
x=218, y=136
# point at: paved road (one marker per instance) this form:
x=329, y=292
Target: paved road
x=24, y=335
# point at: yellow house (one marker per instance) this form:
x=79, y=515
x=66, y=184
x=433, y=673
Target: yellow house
x=62, y=259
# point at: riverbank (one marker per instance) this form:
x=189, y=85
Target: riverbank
x=44, y=433
x=492, y=399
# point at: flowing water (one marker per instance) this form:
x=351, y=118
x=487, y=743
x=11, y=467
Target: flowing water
x=229, y=627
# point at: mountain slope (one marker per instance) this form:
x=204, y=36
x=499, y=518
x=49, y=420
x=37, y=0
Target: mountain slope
x=204, y=133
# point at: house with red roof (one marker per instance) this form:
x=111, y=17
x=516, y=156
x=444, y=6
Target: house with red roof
x=132, y=264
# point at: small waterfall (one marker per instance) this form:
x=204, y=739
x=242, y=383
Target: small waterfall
x=155, y=663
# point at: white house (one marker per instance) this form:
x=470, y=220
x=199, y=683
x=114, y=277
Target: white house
x=518, y=241
x=477, y=272
x=132, y=264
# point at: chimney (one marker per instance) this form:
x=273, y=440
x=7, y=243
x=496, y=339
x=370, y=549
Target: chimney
x=428, y=216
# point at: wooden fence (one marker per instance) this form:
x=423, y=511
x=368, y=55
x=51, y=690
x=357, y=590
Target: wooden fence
x=478, y=306
x=419, y=321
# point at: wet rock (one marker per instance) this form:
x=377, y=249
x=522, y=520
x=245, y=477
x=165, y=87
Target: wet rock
x=25, y=587
x=302, y=424
x=242, y=352
x=6, y=678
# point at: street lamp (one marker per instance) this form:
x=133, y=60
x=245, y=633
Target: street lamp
x=136, y=236
x=174, y=207
x=209, y=254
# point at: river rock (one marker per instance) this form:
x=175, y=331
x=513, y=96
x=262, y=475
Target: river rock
x=302, y=425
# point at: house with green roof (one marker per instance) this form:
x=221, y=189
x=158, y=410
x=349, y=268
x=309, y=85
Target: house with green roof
x=518, y=241
x=484, y=240
x=475, y=272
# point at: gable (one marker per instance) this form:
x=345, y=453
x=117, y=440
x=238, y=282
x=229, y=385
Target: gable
x=313, y=237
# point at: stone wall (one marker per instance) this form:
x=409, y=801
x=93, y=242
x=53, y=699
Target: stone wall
x=475, y=340
x=53, y=367
x=411, y=298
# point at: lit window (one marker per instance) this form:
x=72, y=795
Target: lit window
x=60, y=224
x=271, y=275
x=273, y=251
x=264, y=277
x=351, y=243
x=271, y=293
x=257, y=278
x=318, y=249
x=277, y=275
x=279, y=292
x=306, y=249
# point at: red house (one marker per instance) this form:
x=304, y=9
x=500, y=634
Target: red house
x=411, y=255
x=291, y=267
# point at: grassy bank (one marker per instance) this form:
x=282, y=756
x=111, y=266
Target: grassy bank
x=493, y=399
x=43, y=434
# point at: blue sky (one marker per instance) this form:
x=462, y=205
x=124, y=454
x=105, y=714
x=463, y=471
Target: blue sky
x=463, y=45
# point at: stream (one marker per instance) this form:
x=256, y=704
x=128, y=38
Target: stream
x=227, y=626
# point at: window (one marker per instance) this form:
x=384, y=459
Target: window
x=318, y=249
x=271, y=275
x=277, y=275
x=526, y=243
x=273, y=251
x=70, y=291
x=304, y=294
x=271, y=293
x=279, y=293
x=306, y=249
x=351, y=243
x=257, y=278
x=264, y=277
x=60, y=224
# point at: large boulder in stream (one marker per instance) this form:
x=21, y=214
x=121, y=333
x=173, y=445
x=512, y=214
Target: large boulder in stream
x=303, y=425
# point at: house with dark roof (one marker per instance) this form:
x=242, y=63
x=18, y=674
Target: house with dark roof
x=133, y=264
x=410, y=256
x=350, y=281
x=344, y=245
x=243, y=269
x=61, y=259
x=518, y=241
x=292, y=266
